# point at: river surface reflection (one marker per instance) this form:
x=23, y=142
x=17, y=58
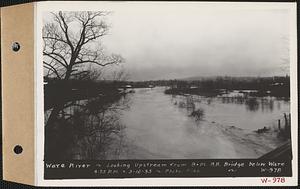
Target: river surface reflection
x=156, y=127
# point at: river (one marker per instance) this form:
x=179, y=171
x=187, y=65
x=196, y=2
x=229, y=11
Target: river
x=156, y=127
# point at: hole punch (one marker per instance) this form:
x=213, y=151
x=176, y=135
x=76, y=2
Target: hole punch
x=18, y=149
x=16, y=46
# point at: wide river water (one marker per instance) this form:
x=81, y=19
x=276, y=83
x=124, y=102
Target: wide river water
x=158, y=126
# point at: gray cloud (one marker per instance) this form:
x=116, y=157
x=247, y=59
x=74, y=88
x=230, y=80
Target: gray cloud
x=174, y=43
x=183, y=40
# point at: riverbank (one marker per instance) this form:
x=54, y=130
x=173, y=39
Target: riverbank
x=60, y=91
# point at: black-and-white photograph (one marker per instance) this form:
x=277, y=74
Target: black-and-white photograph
x=174, y=81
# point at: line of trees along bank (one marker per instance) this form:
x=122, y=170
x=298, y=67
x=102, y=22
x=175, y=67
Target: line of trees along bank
x=275, y=86
x=230, y=83
x=69, y=90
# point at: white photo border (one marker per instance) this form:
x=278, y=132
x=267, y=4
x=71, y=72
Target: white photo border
x=41, y=7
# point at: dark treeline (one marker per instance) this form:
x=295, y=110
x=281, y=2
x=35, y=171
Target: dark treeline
x=74, y=89
x=274, y=86
x=226, y=82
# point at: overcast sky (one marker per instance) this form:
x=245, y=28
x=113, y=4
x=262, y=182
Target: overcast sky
x=183, y=41
x=171, y=41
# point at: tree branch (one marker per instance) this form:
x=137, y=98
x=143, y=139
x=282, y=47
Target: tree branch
x=51, y=68
x=50, y=55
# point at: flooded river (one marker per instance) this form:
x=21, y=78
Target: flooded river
x=157, y=127
x=149, y=124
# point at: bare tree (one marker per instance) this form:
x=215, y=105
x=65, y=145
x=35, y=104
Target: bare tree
x=73, y=50
x=90, y=74
x=120, y=75
x=72, y=44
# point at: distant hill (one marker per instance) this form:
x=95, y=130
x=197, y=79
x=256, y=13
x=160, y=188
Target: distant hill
x=241, y=78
